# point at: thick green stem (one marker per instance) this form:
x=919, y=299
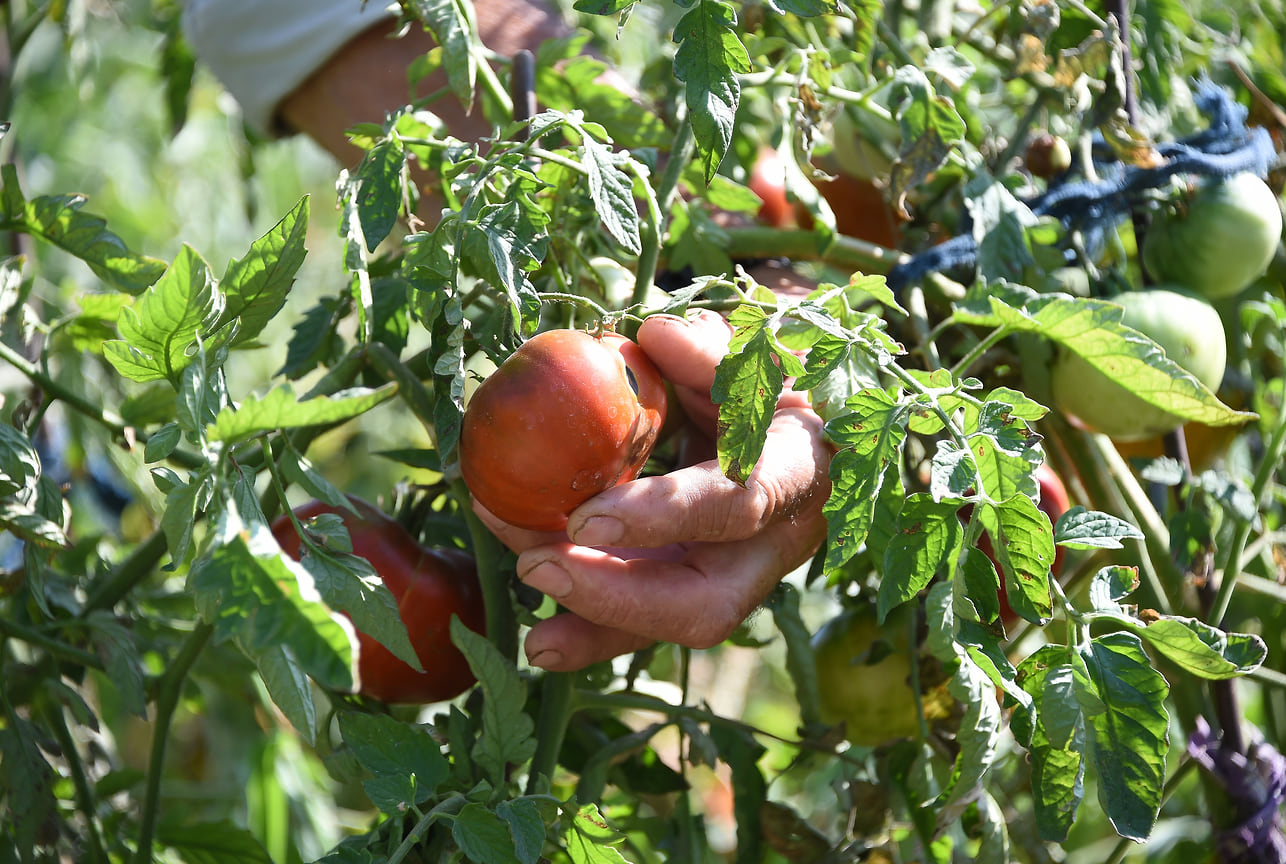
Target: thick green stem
x=140, y=563
x=502, y=624
x=166, y=702
x=556, y=708
x=11, y=629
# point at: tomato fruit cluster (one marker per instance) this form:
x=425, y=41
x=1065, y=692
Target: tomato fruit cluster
x=1185, y=326
x=430, y=585
x=1220, y=240
x=566, y=416
x=863, y=676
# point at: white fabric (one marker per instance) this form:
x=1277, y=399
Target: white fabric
x=263, y=49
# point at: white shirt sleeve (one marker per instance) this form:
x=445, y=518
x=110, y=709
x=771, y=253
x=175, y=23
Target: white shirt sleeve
x=263, y=49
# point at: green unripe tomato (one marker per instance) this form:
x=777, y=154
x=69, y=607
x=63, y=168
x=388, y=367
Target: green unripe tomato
x=863, y=677
x=1191, y=334
x=1220, y=242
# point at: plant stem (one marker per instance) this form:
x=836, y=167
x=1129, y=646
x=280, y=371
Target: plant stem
x=167, y=701
x=556, y=708
x=11, y=629
x=502, y=624
x=84, y=793
x=1258, y=490
x=136, y=567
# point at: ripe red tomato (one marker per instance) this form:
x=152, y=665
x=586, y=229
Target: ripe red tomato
x=568, y=415
x=429, y=585
x=1054, y=502
x=768, y=181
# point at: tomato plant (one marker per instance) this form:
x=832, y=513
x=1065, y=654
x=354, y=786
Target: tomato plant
x=864, y=676
x=430, y=585
x=1188, y=330
x=177, y=688
x=1217, y=240
x=566, y=416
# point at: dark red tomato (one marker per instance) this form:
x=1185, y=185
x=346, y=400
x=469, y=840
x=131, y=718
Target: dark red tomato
x=1053, y=503
x=568, y=415
x=430, y=585
x=768, y=181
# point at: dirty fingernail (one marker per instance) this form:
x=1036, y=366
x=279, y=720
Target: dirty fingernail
x=547, y=659
x=549, y=579
x=599, y=531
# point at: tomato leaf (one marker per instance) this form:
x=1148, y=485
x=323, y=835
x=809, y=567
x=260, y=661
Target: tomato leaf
x=279, y=408
x=212, y=842
x=452, y=25
x=927, y=536
x=741, y=752
x=158, y=331
x=784, y=605
x=1053, y=731
x=871, y=436
x=483, y=836
x=19, y=462
x=249, y=592
x=116, y=646
x=506, y=729
x=1024, y=546
x=378, y=191
x=590, y=840
x=747, y=384
x=1130, y=735
x=709, y=59
x=256, y=286
x=526, y=826
x=24, y=767
x=290, y=690
x=1079, y=528
x=60, y=221
x=609, y=187
x=1092, y=328
x=1197, y=647
x=407, y=763
x=979, y=738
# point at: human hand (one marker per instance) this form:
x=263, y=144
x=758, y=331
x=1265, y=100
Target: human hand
x=687, y=556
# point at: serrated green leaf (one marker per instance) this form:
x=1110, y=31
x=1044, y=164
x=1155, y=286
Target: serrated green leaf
x=609, y=187
x=115, y=646
x=1023, y=543
x=978, y=738
x=159, y=330
x=506, y=729
x=248, y=591
x=256, y=286
x=60, y=221
x=526, y=827
x=1079, y=528
x=1199, y=648
x=709, y=59
x=280, y=409
x=290, y=690
x=379, y=190
x=747, y=384
x=1058, y=773
x=1092, y=328
x=928, y=536
x=23, y=767
x=452, y=25
x=483, y=836
x=19, y=462
x=952, y=471
x=407, y=763
x=590, y=840
x=871, y=437
x=739, y=750
x=1111, y=585
x=1131, y=735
